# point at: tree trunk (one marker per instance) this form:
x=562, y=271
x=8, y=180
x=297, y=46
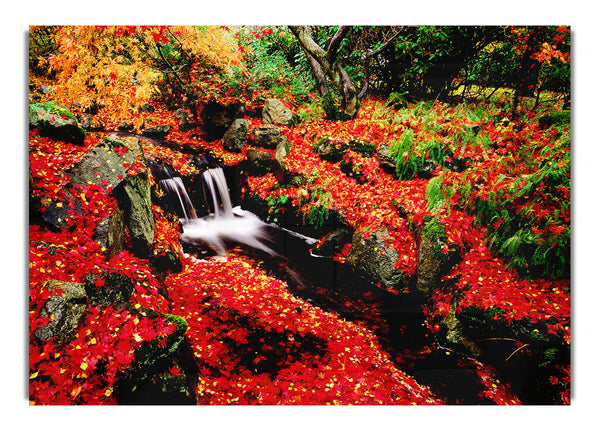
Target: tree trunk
x=325, y=64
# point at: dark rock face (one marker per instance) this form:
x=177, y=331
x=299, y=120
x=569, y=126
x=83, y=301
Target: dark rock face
x=333, y=242
x=217, y=118
x=259, y=161
x=156, y=132
x=370, y=257
x=110, y=233
x=56, y=122
x=134, y=197
x=435, y=257
x=275, y=112
x=64, y=310
x=235, y=137
x=107, y=289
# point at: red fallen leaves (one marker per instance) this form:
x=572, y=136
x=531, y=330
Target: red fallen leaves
x=216, y=296
x=486, y=283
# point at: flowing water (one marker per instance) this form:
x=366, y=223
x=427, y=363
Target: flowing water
x=397, y=319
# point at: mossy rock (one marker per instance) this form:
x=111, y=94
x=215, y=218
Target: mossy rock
x=55, y=122
x=149, y=380
x=372, y=258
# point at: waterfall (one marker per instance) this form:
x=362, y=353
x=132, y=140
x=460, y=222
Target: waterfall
x=174, y=186
x=224, y=224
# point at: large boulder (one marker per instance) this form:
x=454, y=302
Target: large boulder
x=275, y=112
x=65, y=309
x=371, y=257
x=235, y=138
x=110, y=161
x=56, y=122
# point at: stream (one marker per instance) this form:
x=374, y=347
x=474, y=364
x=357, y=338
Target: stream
x=397, y=319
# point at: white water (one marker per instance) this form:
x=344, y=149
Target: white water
x=225, y=224
x=174, y=186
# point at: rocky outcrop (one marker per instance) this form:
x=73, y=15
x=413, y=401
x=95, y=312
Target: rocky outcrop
x=56, y=122
x=275, y=112
x=108, y=163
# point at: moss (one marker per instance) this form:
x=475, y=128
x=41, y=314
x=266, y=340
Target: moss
x=330, y=107
x=367, y=149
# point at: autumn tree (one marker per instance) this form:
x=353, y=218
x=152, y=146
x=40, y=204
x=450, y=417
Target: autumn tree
x=118, y=68
x=328, y=68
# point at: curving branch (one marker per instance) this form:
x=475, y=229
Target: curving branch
x=368, y=56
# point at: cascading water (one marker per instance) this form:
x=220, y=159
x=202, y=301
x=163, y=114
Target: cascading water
x=224, y=224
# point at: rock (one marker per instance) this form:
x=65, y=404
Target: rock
x=268, y=136
x=109, y=161
x=110, y=234
x=260, y=161
x=386, y=161
x=235, y=137
x=371, y=257
x=275, y=112
x=65, y=311
x=108, y=288
x=148, y=380
x=435, y=257
x=145, y=108
x=329, y=150
x=217, y=118
x=185, y=119
x=134, y=197
x=56, y=122
x=156, y=132
x=89, y=123
x=125, y=126
x=333, y=242
x=105, y=162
